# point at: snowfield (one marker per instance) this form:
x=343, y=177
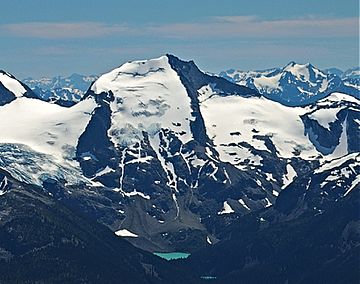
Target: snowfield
x=234, y=119
x=148, y=96
x=39, y=139
x=46, y=128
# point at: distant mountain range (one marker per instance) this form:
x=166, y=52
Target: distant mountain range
x=172, y=159
x=64, y=90
x=297, y=84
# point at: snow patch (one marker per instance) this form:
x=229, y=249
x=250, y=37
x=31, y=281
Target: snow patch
x=300, y=71
x=324, y=85
x=104, y=171
x=268, y=203
x=126, y=233
x=133, y=193
x=266, y=84
x=289, y=176
x=226, y=209
x=242, y=202
x=354, y=183
x=270, y=177
x=341, y=149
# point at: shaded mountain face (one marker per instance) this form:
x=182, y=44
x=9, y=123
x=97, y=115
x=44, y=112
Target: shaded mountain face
x=43, y=241
x=317, y=247
x=172, y=155
x=297, y=84
x=65, y=91
x=310, y=235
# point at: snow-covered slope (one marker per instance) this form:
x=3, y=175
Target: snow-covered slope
x=43, y=139
x=44, y=127
x=269, y=126
x=254, y=119
x=295, y=84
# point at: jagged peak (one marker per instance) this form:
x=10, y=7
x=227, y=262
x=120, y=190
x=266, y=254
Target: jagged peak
x=294, y=65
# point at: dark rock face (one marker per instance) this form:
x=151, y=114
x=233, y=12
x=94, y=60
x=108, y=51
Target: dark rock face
x=194, y=79
x=5, y=184
x=95, y=151
x=318, y=190
x=5, y=95
x=353, y=130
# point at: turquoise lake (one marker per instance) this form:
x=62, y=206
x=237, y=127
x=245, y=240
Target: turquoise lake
x=172, y=255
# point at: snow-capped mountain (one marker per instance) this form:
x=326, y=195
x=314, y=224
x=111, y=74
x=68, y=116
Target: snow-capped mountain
x=162, y=152
x=351, y=78
x=61, y=90
x=297, y=84
x=11, y=89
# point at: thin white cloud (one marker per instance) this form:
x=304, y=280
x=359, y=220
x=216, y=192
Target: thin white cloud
x=251, y=26
x=49, y=30
x=214, y=28
x=65, y=50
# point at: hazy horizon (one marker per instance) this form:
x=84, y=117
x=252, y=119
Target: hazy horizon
x=42, y=38
x=215, y=72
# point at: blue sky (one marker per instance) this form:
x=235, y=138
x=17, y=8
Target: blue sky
x=46, y=38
